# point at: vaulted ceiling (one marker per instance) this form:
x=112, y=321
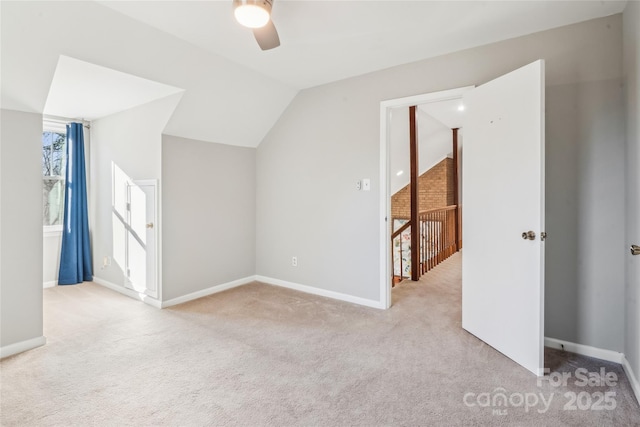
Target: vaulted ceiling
x=328, y=40
x=233, y=91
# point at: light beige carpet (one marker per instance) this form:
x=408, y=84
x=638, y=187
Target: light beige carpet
x=260, y=355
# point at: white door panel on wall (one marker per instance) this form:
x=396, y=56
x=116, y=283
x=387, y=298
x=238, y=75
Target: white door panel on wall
x=141, y=241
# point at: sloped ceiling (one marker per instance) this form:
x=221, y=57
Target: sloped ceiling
x=449, y=113
x=233, y=92
x=435, y=121
x=328, y=40
x=83, y=90
x=223, y=101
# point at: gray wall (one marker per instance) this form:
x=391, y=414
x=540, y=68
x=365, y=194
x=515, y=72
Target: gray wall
x=21, y=225
x=208, y=215
x=329, y=137
x=585, y=213
x=631, y=24
x=129, y=141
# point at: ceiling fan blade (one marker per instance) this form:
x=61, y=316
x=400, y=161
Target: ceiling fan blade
x=267, y=36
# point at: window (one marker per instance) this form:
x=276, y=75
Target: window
x=53, y=175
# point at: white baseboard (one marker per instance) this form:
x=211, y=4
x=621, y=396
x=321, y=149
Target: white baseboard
x=229, y=285
x=128, y=292
x=320, y=292
x=598, y=353
x=51, y=284
x=585, y=350
x=19, y=347
x=209, y=291
x=635, y=384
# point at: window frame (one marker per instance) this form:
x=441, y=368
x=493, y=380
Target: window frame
x=61, y=128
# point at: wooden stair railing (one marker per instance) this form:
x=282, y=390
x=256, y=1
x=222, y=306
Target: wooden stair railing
x=397, y=234
x=437, y=239
x=437, y=236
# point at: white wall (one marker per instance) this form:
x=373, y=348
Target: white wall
x=51, y=244
x=399, y=150
x=21, y=225
x=124, y=146
x=328, y=138
x=434, y=144
x=208, y=223
x=631, y=25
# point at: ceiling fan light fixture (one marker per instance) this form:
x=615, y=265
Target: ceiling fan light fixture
x=252, y=13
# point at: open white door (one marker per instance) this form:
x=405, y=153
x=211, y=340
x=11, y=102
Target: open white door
x=503, y=197
x=141, y=240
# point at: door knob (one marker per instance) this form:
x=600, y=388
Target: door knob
x=529, y=235
x=635, y=250
x=150, y=225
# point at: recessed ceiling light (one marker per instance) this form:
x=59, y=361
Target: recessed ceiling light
x=461, y=107
x=400, y=173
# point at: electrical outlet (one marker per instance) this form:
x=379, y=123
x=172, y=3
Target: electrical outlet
x=358, y=185
x=294, y=261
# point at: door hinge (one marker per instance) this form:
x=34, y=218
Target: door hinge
x=128, y=206
x=543, y=236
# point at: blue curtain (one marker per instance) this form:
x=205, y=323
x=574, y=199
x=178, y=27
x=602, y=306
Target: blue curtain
x=75, y=257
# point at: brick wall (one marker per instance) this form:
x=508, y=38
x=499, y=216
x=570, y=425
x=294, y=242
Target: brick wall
x=435, y=188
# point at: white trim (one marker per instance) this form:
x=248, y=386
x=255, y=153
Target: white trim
x=598, y=353
x=179, y=300
x=62, y=121
x=584, y=350
x=635, y=384
x=50, y=284
x=385, y=208
x=19, y=347
x=209, y=291
x=52, y=230
x=128, y=292
x=56, y=126
x=322, y=292
x=426, y=98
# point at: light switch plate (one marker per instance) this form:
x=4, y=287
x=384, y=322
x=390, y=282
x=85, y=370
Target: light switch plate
x=366, y=184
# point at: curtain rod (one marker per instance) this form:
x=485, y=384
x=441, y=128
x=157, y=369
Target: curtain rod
x=64, y=120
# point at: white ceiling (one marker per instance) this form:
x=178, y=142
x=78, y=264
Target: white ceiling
x=435, y=122
x=233, y=92
x=434, y=142
x=83, y=90
x=222, y=102
x=324, y=41
x=446, y=112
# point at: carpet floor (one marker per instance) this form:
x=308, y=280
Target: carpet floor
x=259, y=355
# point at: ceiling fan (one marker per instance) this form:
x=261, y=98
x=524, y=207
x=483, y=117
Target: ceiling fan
x=256, y=14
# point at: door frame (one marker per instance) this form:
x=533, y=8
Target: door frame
x=156, y=230
x=385, y=196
